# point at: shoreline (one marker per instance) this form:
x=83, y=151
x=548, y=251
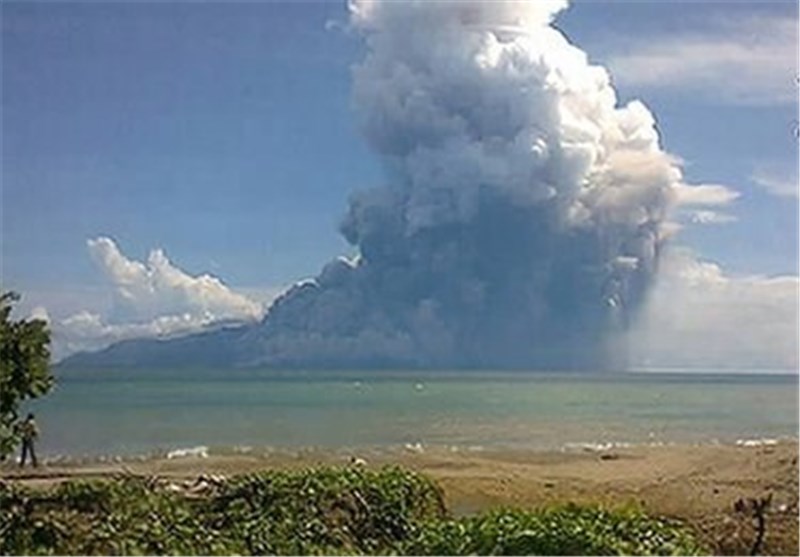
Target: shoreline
x=617, y=468
x=695, y=483
x=203, y=451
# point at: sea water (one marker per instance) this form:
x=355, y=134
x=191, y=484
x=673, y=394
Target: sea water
x=127, y=412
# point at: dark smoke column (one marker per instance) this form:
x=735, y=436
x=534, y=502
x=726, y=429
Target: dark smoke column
x=521, y=218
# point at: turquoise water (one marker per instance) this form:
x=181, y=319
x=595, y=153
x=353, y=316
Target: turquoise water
x=135, y=412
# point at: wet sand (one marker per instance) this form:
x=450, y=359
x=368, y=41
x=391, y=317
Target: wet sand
x=699, y=485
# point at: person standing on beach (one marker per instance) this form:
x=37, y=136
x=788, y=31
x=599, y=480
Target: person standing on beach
x=29, y=431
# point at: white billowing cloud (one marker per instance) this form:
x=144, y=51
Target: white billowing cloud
x=464, y=98
x=146, y=291
x=781, y=182
x=508, y=16
x=751, y=61
x=150, y=299
x=90, y=331
x=461, y=98
x=698, y=317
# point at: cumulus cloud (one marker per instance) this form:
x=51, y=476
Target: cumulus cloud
x=698, y=317
x=523, y=211
x=87, y=331
x=144, y=291
x=149, y=299
x=750, y=61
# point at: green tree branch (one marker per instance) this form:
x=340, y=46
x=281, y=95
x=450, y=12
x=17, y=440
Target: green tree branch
x=24, y=367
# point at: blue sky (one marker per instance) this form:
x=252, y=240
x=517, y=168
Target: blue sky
x=221, y=133
x=224, y=133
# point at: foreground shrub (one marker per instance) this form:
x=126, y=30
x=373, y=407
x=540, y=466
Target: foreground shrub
x=114, y=517
x=569, y=530
x=322, y=511
x=351, y=510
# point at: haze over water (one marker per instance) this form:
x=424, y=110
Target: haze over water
x=125, y=412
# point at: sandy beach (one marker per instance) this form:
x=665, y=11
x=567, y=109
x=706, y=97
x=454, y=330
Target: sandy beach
x=699, y=484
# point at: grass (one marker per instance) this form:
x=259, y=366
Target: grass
x=316, y=511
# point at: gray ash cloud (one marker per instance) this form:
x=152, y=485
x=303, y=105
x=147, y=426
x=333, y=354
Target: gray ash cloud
x=522, y=212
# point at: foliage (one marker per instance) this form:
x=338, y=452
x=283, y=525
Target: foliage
x=330, y=511
x=567, y=530
x=24, y=367
x=310, y=512
x=121, y=517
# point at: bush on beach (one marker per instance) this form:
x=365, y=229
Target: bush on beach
x=326, y=510
x=310, y=512
x=561, y=530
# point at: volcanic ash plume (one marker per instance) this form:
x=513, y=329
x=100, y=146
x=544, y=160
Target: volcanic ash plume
x=520, y=223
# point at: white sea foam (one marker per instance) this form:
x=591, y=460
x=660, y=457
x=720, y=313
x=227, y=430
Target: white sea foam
x=197, y=452
x=596, y=447
x=414, y=447
x=756, y=442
